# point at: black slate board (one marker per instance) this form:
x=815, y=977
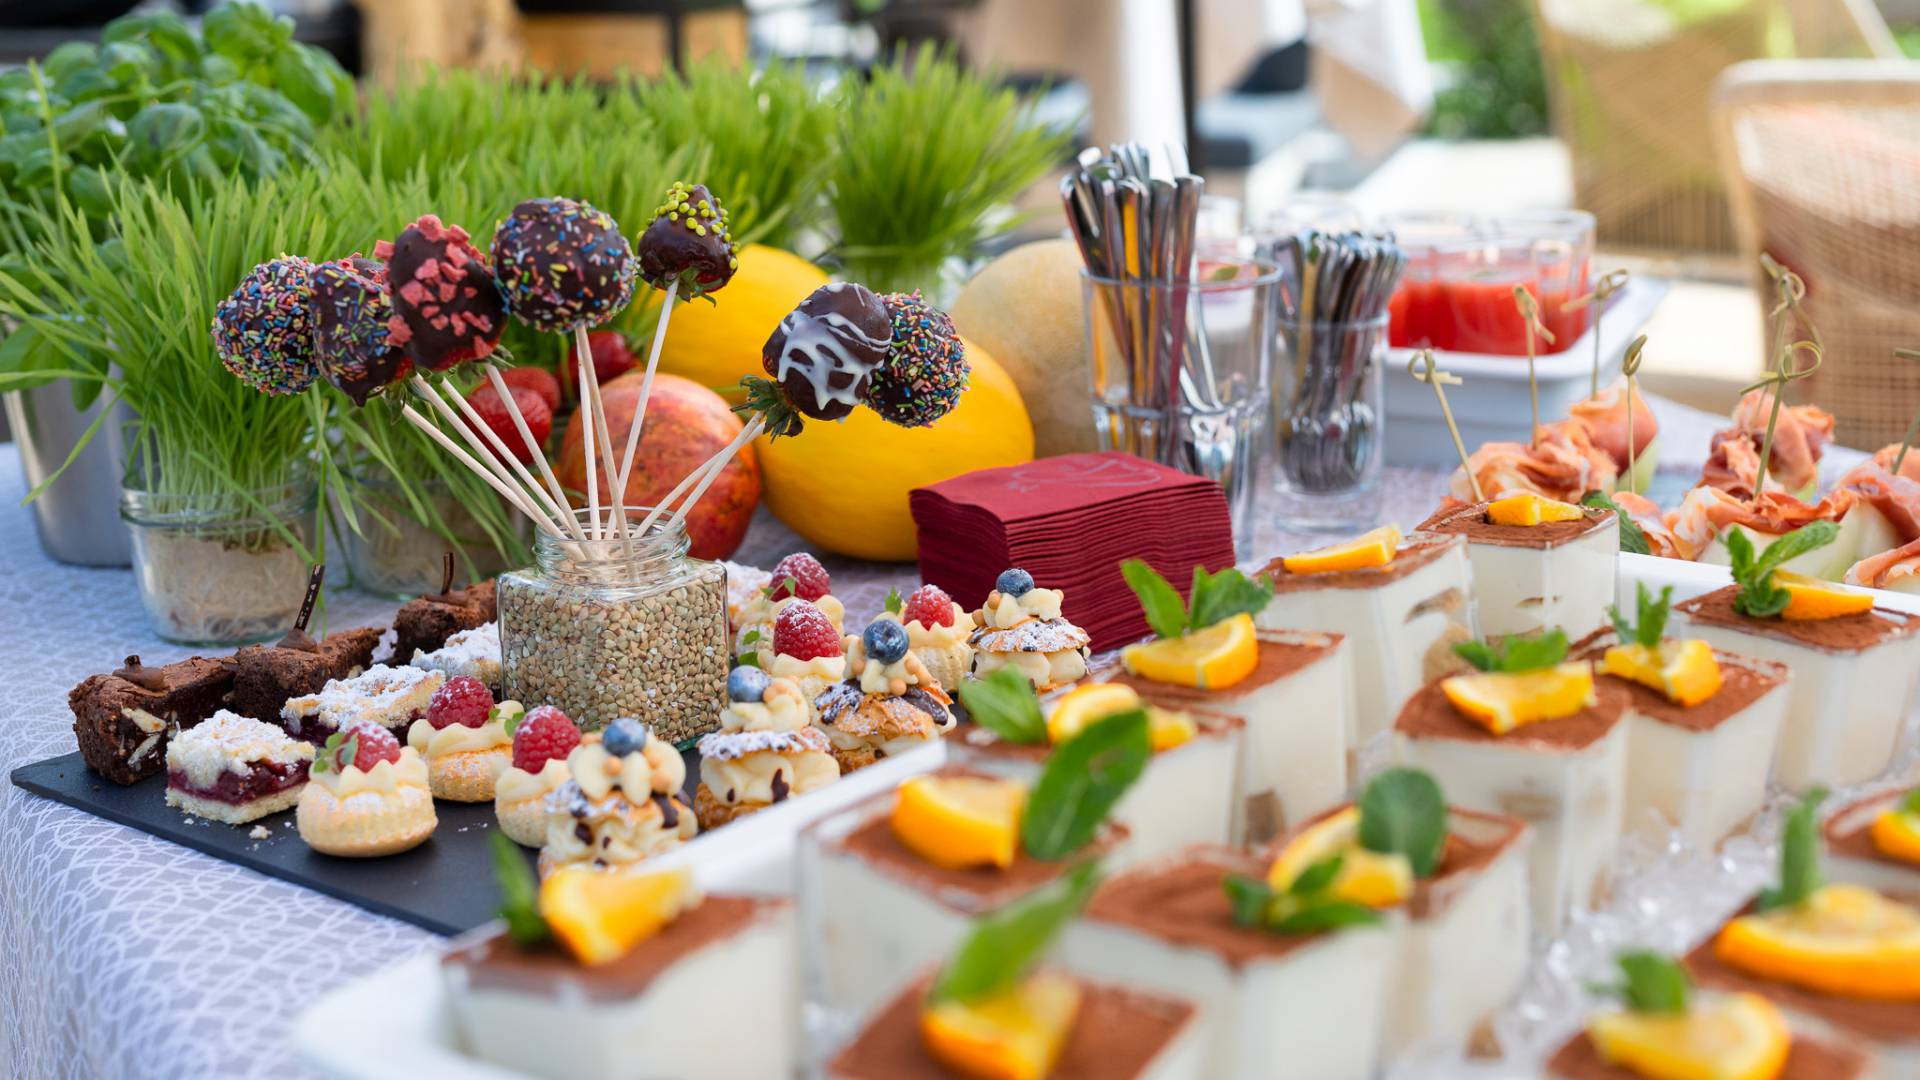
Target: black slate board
x=445, y=885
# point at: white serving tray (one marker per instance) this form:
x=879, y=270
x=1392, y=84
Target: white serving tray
x=1690, y=579
x=754, y=855
x=1491, y=404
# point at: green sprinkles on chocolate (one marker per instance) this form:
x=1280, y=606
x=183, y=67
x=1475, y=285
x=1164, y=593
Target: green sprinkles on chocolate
x=925, y=371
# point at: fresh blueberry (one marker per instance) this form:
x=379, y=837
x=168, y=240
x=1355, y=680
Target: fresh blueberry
x=624, y=736
x=1014, y=582
x=746, y=683
x=885, y=641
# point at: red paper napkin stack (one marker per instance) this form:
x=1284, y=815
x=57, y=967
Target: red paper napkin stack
x=1070, y=521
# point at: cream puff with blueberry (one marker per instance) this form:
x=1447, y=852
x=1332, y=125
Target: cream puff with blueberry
x=765, y=752
x=889, y=704
x=1021, y=627
x=621, y=803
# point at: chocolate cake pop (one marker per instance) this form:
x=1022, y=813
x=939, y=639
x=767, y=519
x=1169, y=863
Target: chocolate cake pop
x=688, y=241
x=352, y=338
x=447, y=309
x=925, y=371
x=823, y=353
x=263, y=332
x=562, y=264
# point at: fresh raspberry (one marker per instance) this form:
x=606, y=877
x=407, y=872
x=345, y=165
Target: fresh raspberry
x=611, y=358
x=538, y=380
x=533, y=409
x=803, y=632
x=810, y=581
x=545, y=734
x=462, y=700
x=930, y=606
x=373, y=744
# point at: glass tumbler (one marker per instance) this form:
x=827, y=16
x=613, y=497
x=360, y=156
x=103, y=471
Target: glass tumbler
x=1328, y=408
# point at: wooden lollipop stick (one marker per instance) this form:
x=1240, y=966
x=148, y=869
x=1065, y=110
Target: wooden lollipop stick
x=646, y=386
x=594, y=523
x=506, y=492
x=539, y=453
x=701, y=475
x=597, y=419
x=559, y=509
x=714, y=469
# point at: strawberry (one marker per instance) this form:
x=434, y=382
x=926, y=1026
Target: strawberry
x=462, y=700
x=545, y=734
x=362, y=746
x=799, y=574
x=929, y=606
x=533, y=409
x=538, y=380
x=611, y=358
x=803, y=632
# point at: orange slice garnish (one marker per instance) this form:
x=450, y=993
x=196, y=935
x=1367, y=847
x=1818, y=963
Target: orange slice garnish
x=1501, y=702
x=600, y=917
x=1897, y=833
x=1085, y=704
x=1366, y=877
x=1016, y=1034
x=958, y=822
x=1738, y=1037
x=1527, y=508
x=1375, y=548
x=1845, y=940
x=1684, y=671
x=1810, y=598
x=1212, y=658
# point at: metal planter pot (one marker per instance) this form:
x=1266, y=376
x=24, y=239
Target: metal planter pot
x=78, y=517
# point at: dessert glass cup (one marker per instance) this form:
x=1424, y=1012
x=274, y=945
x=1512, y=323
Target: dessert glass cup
x=222, y=568
x=394, y=553
x=603, y=629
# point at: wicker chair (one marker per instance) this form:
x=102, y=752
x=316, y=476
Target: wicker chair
x=1629, y=87
x=1822, y=160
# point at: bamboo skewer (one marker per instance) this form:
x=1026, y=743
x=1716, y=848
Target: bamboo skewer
x=1630, y=368
x=562, y=516
x=1530, y=315
x=506, y=491
x=539, y=453
x=1913, y=426
x=593, y=464
x=646, y=385
x=1440, y=380
x=597, y=420
x=712, y=466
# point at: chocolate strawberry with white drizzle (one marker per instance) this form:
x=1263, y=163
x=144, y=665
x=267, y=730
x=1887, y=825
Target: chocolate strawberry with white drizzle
x=826, y=350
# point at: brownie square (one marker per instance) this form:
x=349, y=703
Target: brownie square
x=426, y=622
x=122, y=725
x=268, y=675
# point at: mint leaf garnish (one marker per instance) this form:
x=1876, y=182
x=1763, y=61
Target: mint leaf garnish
x=1482, y=656
x=1317, y=878
x=1760, y=596
x=1652, y=615
x=894, y=603
x=1218, y=597
x=519, y=893
x=1514, y=655
x=1633, y=539
x=1006, y=944
x=1249, y=898
x=1161, y=602
x=1650, y=982
x=1800, y=875
x=1082, y=780
x=1004, y=703
x=1321, y=917
x=1402, y=812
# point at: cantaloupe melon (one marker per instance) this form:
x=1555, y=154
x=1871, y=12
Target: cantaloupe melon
x=1027, y=309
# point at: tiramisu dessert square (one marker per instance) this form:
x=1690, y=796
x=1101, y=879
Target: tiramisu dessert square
x=1531, y=736
x=1408, y=599
x=424, y=623
x=389, y=697
x=1461, y=877
x=1702, y=724
x=1841, y=960
x=1274, y=989
x=1668, y=1028
x=474, y=652
x=121, y=720
x=1537, y=563
x=235, y=769
x=1875, y=841
x=626, y=977
x=1290, y=687
x=1187, y=794
x=890, y=885
x=990, y=1015
x=265, y=676
x=1021, y=627
x=1854, y=665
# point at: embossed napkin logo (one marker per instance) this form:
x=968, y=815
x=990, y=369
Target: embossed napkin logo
x=1084, y=471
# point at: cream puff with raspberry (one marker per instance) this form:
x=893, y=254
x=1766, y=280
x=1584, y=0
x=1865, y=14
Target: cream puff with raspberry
x=807, y=649
x=799, y=576
x=542, y=739
x=1021, y=627
x=464, y=740
x=366, y=795
x=620, y=804
x=889, y=705
x=940, y=633
x=765, y=752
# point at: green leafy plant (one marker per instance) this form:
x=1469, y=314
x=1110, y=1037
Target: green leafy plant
x=1402, y=812
x=1800, y=875
x=1650, y=982
x=1082, y=780
x=924, y=160
x=1633, y=539
x=1516, y=654
x=1004, y=703
x=1007, y=944
x=1213, y=598
x=1306, y=907
x=1910, y=802
x=894, y=604
x=1650, y=626
x=519, y=893
x=1760, y=596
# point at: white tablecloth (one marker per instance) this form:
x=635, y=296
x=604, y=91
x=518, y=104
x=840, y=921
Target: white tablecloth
x=126, y=956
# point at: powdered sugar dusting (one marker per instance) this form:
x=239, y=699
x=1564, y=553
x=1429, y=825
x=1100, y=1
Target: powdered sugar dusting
x=733, y=745
x=1034, y=635
x=474, y=652
x=230, y=741
x=383, y=695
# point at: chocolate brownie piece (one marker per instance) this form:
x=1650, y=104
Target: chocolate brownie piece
x=426, y=622
x=121, y=720
x=270, y=674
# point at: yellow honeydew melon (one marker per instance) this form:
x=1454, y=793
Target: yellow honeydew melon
x=843, y=486
x=715, y=344
x=1830, y=562
x=1026, y=308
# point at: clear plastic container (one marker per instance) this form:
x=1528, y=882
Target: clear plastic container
x=1457, y=292
x=222, y=568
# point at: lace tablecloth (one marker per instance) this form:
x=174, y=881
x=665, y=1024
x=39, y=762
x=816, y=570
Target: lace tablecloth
x=123, y=955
